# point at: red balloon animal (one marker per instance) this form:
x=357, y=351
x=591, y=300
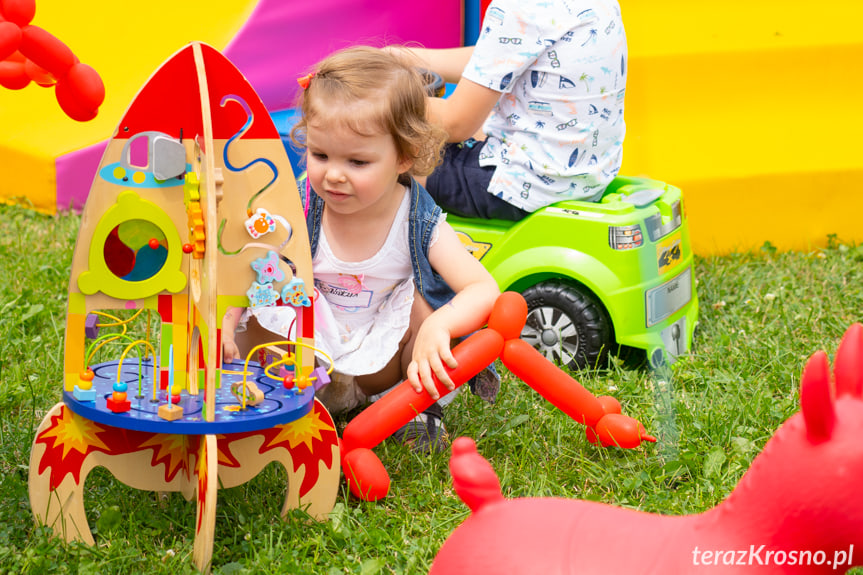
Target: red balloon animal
x=799, y=508
x=366, y=475
x=30, y=54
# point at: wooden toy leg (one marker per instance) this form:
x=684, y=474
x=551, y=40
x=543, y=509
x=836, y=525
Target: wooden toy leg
x=307, y=448
x=67, y=447
x=60, y=506
x=207, y=487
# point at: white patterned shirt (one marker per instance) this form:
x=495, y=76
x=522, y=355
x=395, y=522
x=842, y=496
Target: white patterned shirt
x=557, y=131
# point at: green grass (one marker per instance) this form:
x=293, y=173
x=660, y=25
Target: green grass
x=763, y=314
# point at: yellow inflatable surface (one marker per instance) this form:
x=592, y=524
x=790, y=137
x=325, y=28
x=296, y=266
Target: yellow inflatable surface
x=754, y=110
x=124, y=42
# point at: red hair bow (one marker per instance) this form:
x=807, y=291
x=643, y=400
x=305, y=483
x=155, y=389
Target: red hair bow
x=304, y=80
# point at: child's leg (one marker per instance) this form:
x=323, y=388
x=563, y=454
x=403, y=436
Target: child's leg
x=339, y=396
x=459, y=185
x=396, y=370
x=342, y=394
x=391, y=374
x=426, y=431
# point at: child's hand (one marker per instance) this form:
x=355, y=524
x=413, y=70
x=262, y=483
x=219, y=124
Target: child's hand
x=431, y=355
x=230, y=351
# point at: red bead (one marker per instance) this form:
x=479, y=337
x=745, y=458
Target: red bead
x=187, y=248
x=154, y=244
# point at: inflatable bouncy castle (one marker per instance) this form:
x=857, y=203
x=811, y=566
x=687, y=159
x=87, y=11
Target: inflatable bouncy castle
x=48, y=160
x=749, y=119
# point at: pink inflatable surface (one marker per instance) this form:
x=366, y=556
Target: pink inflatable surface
x=272, y=42
x=283, y=40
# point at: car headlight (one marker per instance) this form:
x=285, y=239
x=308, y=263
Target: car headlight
x=656, y=229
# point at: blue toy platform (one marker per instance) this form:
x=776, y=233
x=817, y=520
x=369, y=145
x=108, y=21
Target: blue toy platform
x=280, y=405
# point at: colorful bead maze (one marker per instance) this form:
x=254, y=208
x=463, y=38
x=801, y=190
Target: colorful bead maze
x=164, y=242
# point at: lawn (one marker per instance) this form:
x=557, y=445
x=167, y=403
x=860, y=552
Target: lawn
x=762, y=315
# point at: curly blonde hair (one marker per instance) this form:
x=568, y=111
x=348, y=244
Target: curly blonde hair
x=373, y=91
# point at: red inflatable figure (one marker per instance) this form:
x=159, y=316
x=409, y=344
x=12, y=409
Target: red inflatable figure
x=366, y=475
x=30, y=54
x=799, y=508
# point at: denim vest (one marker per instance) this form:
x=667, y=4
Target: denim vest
x=423, y=216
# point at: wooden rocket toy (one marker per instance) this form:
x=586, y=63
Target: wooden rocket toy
x=194, y=209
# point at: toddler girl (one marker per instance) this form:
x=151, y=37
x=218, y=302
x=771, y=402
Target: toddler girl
x=396, y=285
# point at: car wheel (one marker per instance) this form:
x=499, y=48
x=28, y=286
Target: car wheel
x=567, y=324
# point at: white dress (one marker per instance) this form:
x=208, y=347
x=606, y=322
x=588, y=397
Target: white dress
x=362, y=309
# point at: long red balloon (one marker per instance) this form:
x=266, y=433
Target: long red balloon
x=10, y=39
x=551, y=382
x=402, y=404
x=29, y=52
x=508, y=315
x=13, y=76
x=366, y=475
x=46, y=50
x=20, y=12
x=80, y=92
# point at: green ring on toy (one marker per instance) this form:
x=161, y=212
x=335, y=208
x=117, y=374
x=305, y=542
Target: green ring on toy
x=93, y=348
x=130, y=206
x=107, y=338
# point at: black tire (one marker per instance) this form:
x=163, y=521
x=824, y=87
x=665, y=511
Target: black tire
x=567, y=325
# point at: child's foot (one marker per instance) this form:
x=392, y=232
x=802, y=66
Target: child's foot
x=425, y=433
x=342, y=394
x=486, y=384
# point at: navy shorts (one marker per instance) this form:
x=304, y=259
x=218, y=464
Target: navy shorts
x=459, y=185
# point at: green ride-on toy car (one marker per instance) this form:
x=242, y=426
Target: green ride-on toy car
x=597, y=275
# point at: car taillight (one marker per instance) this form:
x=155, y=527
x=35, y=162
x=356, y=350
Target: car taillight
x=625, y=237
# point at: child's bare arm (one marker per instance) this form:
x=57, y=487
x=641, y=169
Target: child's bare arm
x=230, y=351
x=447, y=62
x=464, y=112
x=476, y=292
